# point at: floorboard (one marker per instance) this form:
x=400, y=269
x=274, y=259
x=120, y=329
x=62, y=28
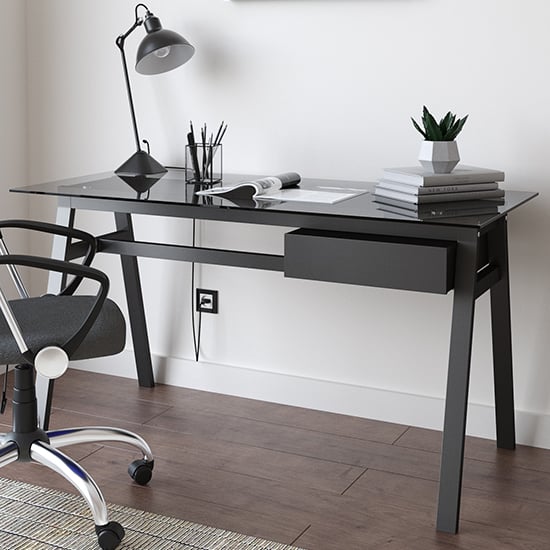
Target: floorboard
x=319, y=480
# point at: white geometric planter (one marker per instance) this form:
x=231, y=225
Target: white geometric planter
x=439, y=157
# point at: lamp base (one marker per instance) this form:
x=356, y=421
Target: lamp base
x=140, y=164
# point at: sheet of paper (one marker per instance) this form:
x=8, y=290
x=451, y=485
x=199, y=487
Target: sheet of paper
x=308, y=195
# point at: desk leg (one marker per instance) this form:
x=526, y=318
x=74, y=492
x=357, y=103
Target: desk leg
x=136, y=311
x=458, y=379
x=44, y=386
x=502, y=340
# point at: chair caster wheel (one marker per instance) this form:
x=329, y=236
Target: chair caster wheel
x=109, y=536
x=141, y=471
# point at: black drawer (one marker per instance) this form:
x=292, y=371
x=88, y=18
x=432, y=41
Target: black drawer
x=372, y=260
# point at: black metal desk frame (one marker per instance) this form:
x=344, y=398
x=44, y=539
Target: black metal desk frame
x=479, y=263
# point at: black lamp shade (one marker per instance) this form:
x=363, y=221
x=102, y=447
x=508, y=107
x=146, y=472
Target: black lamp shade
x=161, y=51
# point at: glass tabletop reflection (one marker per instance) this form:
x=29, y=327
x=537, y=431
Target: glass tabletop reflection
x=172, y=188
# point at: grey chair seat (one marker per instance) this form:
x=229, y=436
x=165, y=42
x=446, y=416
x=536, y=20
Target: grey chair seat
x=52, y=320
x=85, y=327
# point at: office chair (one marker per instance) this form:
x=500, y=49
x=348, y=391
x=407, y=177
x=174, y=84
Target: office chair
x=42, y=334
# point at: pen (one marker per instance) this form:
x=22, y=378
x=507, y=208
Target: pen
x=193, y=150
x=218, y=138
x=209, y=157
x=203, y=136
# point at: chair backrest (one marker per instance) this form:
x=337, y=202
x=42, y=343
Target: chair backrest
x=47, y=331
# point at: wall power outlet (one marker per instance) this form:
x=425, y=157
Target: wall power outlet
x=206, y=301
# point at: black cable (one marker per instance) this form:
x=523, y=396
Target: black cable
x=183, y=169
x=196, y=334
x=198, y=348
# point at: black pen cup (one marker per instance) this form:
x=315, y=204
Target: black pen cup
x=203, y=164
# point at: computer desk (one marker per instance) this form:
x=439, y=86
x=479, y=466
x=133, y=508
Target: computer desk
x=357, y=241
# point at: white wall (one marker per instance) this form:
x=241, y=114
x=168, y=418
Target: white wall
x=325, y=88
x=13, y=119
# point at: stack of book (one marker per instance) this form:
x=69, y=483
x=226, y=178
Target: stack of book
x=412, y=187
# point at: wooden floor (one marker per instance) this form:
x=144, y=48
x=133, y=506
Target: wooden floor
x=316, y=480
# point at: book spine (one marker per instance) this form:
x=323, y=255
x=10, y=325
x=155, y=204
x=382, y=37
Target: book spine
x=420, y=190
x=468, y=195
x=443, y=179
x=457, y=188
x=461, y=180
x=438, y=197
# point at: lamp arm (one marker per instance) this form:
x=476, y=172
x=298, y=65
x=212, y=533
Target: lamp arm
x=138, y=22
x=120, y=44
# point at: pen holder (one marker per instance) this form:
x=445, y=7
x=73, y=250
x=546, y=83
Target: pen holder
x=203, y=164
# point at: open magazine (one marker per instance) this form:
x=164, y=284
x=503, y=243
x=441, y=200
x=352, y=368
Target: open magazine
x=283, y=187
x=253, y=188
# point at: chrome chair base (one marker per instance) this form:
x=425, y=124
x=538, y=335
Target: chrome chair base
x=48, y=454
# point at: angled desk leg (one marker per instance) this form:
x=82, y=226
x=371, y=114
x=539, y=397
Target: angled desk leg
x=458, y=379
x=502, y=339
x=136, y=311
x=44, y=386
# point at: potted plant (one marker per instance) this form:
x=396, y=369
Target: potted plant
x=439, y=151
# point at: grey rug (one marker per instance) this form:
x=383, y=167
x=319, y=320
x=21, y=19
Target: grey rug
x=34, y=518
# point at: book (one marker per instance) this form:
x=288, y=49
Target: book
x=277, y=188
x=437, y=197
x=253, y=188
x=462, y=174
x=421, y=190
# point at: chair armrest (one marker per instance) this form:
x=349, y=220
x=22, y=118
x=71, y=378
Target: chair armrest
x=62, y=230
x=81, y=271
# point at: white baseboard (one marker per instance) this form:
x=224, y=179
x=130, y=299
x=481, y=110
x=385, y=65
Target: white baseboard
x=367, y=402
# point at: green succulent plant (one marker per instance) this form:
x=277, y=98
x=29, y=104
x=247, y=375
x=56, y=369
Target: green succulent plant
x=446, y=130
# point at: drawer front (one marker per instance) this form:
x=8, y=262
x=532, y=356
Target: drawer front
x=371, y=260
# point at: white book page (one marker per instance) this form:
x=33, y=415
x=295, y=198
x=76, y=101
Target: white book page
x=308, y=195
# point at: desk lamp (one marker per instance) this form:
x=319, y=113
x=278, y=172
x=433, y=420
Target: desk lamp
x=160, y=51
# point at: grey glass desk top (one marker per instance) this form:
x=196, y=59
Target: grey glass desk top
x=171, y=189
x=356, y=241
